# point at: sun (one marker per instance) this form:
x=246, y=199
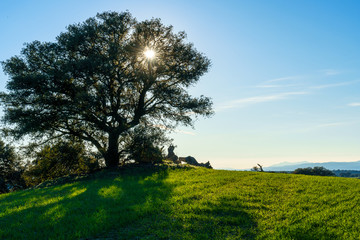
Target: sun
x=149, y=53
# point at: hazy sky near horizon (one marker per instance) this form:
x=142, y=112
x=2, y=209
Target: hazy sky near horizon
x=284, y=80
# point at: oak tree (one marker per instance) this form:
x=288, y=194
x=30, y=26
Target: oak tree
x=102, y=78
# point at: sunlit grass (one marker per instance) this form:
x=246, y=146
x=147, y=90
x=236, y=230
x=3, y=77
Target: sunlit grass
x=186, y=204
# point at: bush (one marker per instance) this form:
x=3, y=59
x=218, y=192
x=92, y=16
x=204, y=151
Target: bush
x=10, y=169
x=142, y=150
x=318, y=171
x=142, y=145
x=60, y=159
x=345, y=174
x=3, y=187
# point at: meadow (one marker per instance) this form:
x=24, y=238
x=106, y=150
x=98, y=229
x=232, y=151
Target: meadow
x=185, y=203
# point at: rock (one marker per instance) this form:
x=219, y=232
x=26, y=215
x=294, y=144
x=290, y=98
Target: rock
x=192, y=161
x=181, y=159
x=207, y=164
x=189, y=159
x=171, y=155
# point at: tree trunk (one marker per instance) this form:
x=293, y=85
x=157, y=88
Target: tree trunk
x=112, y=154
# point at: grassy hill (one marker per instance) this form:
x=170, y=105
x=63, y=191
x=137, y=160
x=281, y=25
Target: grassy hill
x=188, y=203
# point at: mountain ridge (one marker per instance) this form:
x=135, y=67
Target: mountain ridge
x=287, y=166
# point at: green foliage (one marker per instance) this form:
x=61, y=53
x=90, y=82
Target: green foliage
x=195, y=203
x=144, y=143
x=60, y=159
x=8, y=159
x=345, y=174
x=143, y=151
x=317, y=171
x=257, y=168
x=96, y=84
x=10, y=169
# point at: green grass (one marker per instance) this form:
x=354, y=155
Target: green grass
x=186, y=204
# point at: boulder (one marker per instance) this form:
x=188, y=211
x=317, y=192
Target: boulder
x=192, y=161
x=189, y=159
x=171, y=155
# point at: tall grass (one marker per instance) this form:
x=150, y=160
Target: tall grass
x=186, y=204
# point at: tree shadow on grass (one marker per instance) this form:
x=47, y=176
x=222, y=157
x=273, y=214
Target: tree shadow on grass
x=210, y=220
x=84, y=208
x=195, y=214
x=131, y=204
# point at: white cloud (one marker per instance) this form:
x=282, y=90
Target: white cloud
x=326, y=72
x=330, y=72
x=284, y=79
x=243, y=102
x=276, y=86
x=335, y=84
x=334, y=124
x=355, y=104
x=268, y=86
x=185, y=132
x=320, y=126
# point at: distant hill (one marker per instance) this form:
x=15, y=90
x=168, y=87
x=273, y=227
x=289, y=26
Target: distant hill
x=287, y=166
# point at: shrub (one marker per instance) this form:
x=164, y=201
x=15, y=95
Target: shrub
x=58, y=160
x=142, y=145
x=10, y=169
x=142, y=150
x=345, y=174
x=257, y=168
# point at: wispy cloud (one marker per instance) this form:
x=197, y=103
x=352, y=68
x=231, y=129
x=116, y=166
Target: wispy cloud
x=322, y=126
x=185, y=132
x=282, y=79
x=355, y=104
x=324, y=72
x=330, y=72
x=243, y=102
x=333, y=124
x=291, y=86
x=335, y=84
x=276, y=86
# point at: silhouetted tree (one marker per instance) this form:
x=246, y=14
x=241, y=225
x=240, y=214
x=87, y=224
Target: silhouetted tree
x=318, y=171
x=257, y=168
x=101, y=78
x=345, y=174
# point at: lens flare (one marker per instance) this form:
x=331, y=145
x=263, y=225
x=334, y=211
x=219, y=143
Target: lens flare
x=149, y=53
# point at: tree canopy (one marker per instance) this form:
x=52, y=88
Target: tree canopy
x=318, y=171
x=102, y=78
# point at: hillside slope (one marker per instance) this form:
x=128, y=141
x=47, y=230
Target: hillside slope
x=186, y=203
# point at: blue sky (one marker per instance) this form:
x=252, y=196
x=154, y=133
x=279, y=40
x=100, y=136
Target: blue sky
x=284, y=80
